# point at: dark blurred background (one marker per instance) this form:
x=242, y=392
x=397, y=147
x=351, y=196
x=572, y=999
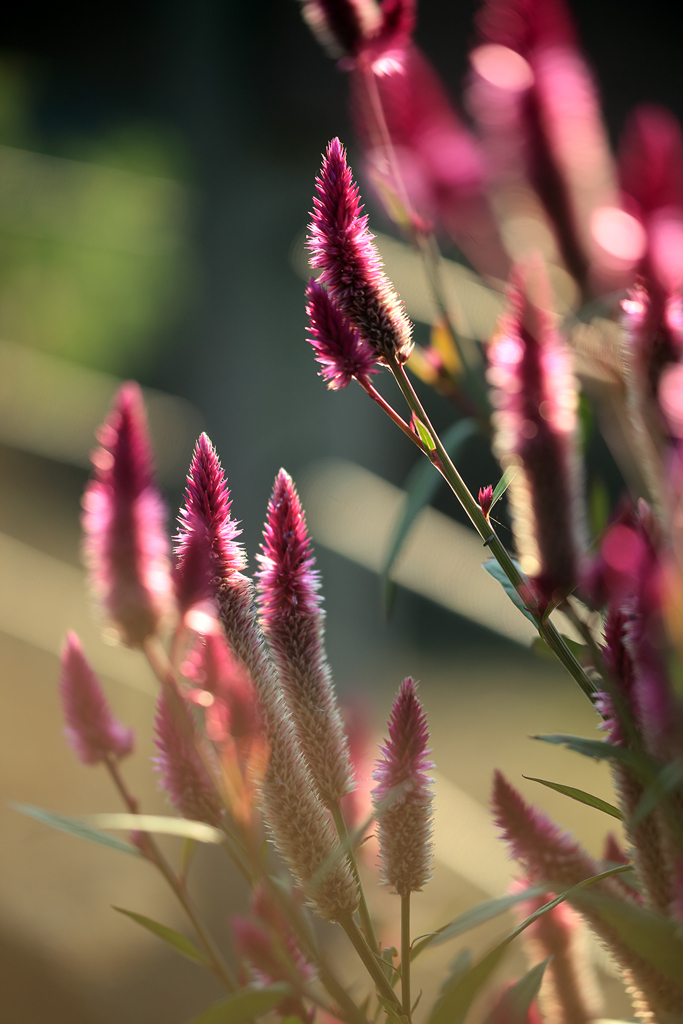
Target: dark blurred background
x=156, y=171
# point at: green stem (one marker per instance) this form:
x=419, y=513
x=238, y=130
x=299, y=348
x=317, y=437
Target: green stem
x=363, y=910
x=485, y=530
x=405, y=953
x=372, y=964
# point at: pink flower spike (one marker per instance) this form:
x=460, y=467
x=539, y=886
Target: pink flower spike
x=183, y=774
x=207, y=507
x=91, y=730
x=292, y=622
x=486, y=499
x=125, y=545
x=403, y=796
x=343, y=248
x=339, y=348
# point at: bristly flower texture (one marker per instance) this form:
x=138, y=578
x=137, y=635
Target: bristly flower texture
x=338, y=346
x=292, y=621
x=403, y=796
x=343, y=248
x=125, y=544
x=91, y=729
x=535, y=420
x=183, y=774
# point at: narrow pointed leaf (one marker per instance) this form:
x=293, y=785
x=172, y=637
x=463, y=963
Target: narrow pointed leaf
x=502, y=485
x=493, y=569
x=421, y=487
x=160, y=823
x=473, y=917
x=243, y=1005
x=518, y=999
x=76, y=827
x=425, y=436
x=173, y=938
x=581, y=796
x=601, y=751
x=453, y=1008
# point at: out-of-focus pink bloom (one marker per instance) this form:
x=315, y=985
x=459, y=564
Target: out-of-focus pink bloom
x=535, y=422
x=269, y=961
x=403, y=796
x=125, y=545
x=91, y=730
x=362, y=31
x=270, y=913
x=292, y=621
x=613, y=852
x=183, y=773
x=505, y=1012
x=342, y=353
x=569, y=993
x=343, y=248
x=653, y=323
x=230, y=709
x=357, y=805
x=207, y=512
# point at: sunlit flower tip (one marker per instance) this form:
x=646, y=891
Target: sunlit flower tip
x=91, y=730
x=403, y=796
x=544, y=851
x=535, y=435
x=125, y=544
x=339, y=348
x=341, y=245
x=292, y=622
x=207, y=507
x=183, y=774
x=486, y=499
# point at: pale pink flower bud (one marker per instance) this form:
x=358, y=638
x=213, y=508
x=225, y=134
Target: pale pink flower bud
x=183, y=773
x=91, y=730
x=343, y=248
x=403, y=796
x=125, y=545
x=292, y=622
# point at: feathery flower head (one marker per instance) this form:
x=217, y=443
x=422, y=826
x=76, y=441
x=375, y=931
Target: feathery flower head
x=343, y=248
x=183, y=773
x=486, y=499
x=91, y=730
x=362, y=30
x=338, y=346
x=403, y=796
x=207, y=509
x=125, y=545
x=535, y=426
x=292, y=621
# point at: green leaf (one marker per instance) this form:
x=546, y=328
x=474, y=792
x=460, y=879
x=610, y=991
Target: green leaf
x=518, y=999
x=502, y=485
x=453, y=1008
x=173, y=938
x=163, y=824
x=653, y=937
x=457, y=969
x=244, y=1004
x=76, y=827
x=541, y=647
x=421, y=487
x=473, y=917
x=581, y=796
x=493, y=569
x=425, y=436
x=601, y=751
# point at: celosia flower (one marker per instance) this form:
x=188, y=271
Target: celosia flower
x=292, y=622
x=343, y=248
x=91, y=730
x=230, y=707
x=338, y=346
x=552, y=856
x=535, y=433
x=403, y=796
x=486, y=499
x=125, y=545
x=569, y=992
x=183, y=773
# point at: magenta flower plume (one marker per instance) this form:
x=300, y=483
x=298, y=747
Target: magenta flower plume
x=343, y=248
x=91, y=730
x=338, y=346
x=549, y=855
x=292, y=622
x=485, y=499
x=361, y=30
x=403, y=796
x=125, y=545
x=183, y=773
x=207, y=509
x=535, y=437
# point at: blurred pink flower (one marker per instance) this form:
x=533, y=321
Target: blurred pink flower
x=340, y=350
